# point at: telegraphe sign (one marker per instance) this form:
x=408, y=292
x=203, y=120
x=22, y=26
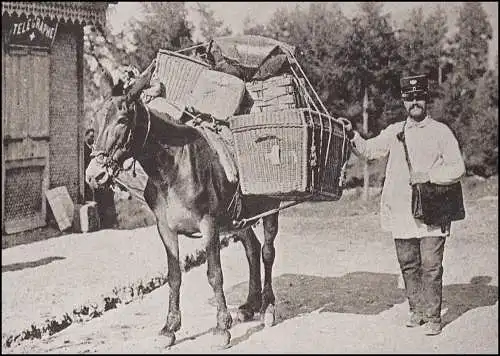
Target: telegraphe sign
x=32, y=32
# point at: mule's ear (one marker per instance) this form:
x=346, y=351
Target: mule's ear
x=142, y=81
x=118, y=89
x=106, y=85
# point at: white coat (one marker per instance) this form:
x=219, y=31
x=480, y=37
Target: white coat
x=433, y=149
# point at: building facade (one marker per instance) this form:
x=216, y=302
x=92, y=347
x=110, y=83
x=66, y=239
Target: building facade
x=42, y=105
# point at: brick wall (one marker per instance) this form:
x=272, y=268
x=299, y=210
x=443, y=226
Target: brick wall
x=65, y=111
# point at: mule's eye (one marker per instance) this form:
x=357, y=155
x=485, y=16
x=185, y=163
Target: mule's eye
x=122, y=120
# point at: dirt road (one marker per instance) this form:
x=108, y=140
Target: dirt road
x=338, y=290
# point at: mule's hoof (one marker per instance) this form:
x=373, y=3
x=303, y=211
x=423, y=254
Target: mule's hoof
x=222, y=338
x=270, y=316
x=244, y=315
x=169, y=336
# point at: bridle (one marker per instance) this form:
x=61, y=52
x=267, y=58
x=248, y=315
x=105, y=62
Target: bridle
x=109, y=160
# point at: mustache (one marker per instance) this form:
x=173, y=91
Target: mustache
x=416, y=106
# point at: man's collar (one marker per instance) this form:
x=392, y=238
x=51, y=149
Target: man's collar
x=412, y=123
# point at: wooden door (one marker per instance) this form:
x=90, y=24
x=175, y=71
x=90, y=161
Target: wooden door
x=25, y=131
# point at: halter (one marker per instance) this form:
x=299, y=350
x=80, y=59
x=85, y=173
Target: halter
x=108, y=161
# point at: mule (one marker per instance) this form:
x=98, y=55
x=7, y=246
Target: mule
x=188, y=192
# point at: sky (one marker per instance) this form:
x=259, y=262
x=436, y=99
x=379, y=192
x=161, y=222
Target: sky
x=233, y=13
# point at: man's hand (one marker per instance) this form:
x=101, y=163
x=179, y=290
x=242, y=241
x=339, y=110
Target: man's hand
x=348, y=128
x=419, y=177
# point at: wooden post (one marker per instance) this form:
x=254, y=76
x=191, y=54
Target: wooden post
x=366, y=174
x=440, y=73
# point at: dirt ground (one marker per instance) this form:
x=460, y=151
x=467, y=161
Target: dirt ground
x=338, y=290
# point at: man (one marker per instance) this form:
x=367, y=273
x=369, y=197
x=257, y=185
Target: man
x=87, y=150
x=435, y=156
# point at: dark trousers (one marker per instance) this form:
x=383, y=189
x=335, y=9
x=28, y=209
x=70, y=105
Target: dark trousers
x=106, y=208
x=421, y=262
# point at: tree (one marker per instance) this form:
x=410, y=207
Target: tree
x=210, y=27
x=422, y=40
x=164, y=26
x=370, y=64
x=482, y=147
x=319, y=33
x=463, y=108
x=470, y=43
x=252, y=28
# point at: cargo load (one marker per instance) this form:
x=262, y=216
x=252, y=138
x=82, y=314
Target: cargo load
x=285, y=142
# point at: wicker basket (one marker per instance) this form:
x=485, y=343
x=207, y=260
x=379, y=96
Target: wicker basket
x=178, y=73
x=294, y=154
x=276, y=93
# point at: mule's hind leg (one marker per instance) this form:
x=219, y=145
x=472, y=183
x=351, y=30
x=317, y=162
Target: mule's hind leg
x=268, y=254
x=215, y=278
x=254, y=299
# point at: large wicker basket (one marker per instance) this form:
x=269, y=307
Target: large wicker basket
x=295, y=154
x=179, y=74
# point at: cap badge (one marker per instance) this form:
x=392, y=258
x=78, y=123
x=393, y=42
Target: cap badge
x=413, y=81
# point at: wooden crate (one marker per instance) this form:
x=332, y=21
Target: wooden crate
x=294, y=154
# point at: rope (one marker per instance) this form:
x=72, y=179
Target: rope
x=344, y=154
x=149, y=125
x=310, y=99
x=309, y=83
x=192, y=47
x=305, y=92
x=329, y=142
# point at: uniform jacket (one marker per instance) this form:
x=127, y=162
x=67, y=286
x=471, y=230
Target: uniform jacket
x=432, y=148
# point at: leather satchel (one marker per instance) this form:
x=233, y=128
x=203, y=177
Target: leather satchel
x=435, y=204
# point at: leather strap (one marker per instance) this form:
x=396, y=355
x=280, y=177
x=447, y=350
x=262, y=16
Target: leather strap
x=401, y=137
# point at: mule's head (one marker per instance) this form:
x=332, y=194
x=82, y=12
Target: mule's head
x=116, y=122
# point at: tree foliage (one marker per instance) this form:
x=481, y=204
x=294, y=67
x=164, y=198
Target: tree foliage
x=210, y=26
x=370, y=60
x=163, y=26
x=464, y=107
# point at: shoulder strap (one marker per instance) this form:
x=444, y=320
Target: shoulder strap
x=401, y=137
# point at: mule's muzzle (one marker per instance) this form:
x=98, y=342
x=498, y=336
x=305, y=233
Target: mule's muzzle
x=96, y=175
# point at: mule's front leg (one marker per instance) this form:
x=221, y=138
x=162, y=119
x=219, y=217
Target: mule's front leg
x=171, y=242
x=268, y=254
x=214, y=273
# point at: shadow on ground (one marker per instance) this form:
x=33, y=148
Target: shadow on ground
x=359, y=293
x=460, y=298
x=31, y=264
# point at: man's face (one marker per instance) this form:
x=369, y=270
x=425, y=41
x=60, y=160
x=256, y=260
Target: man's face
x=90, y=138
x=416, y=106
